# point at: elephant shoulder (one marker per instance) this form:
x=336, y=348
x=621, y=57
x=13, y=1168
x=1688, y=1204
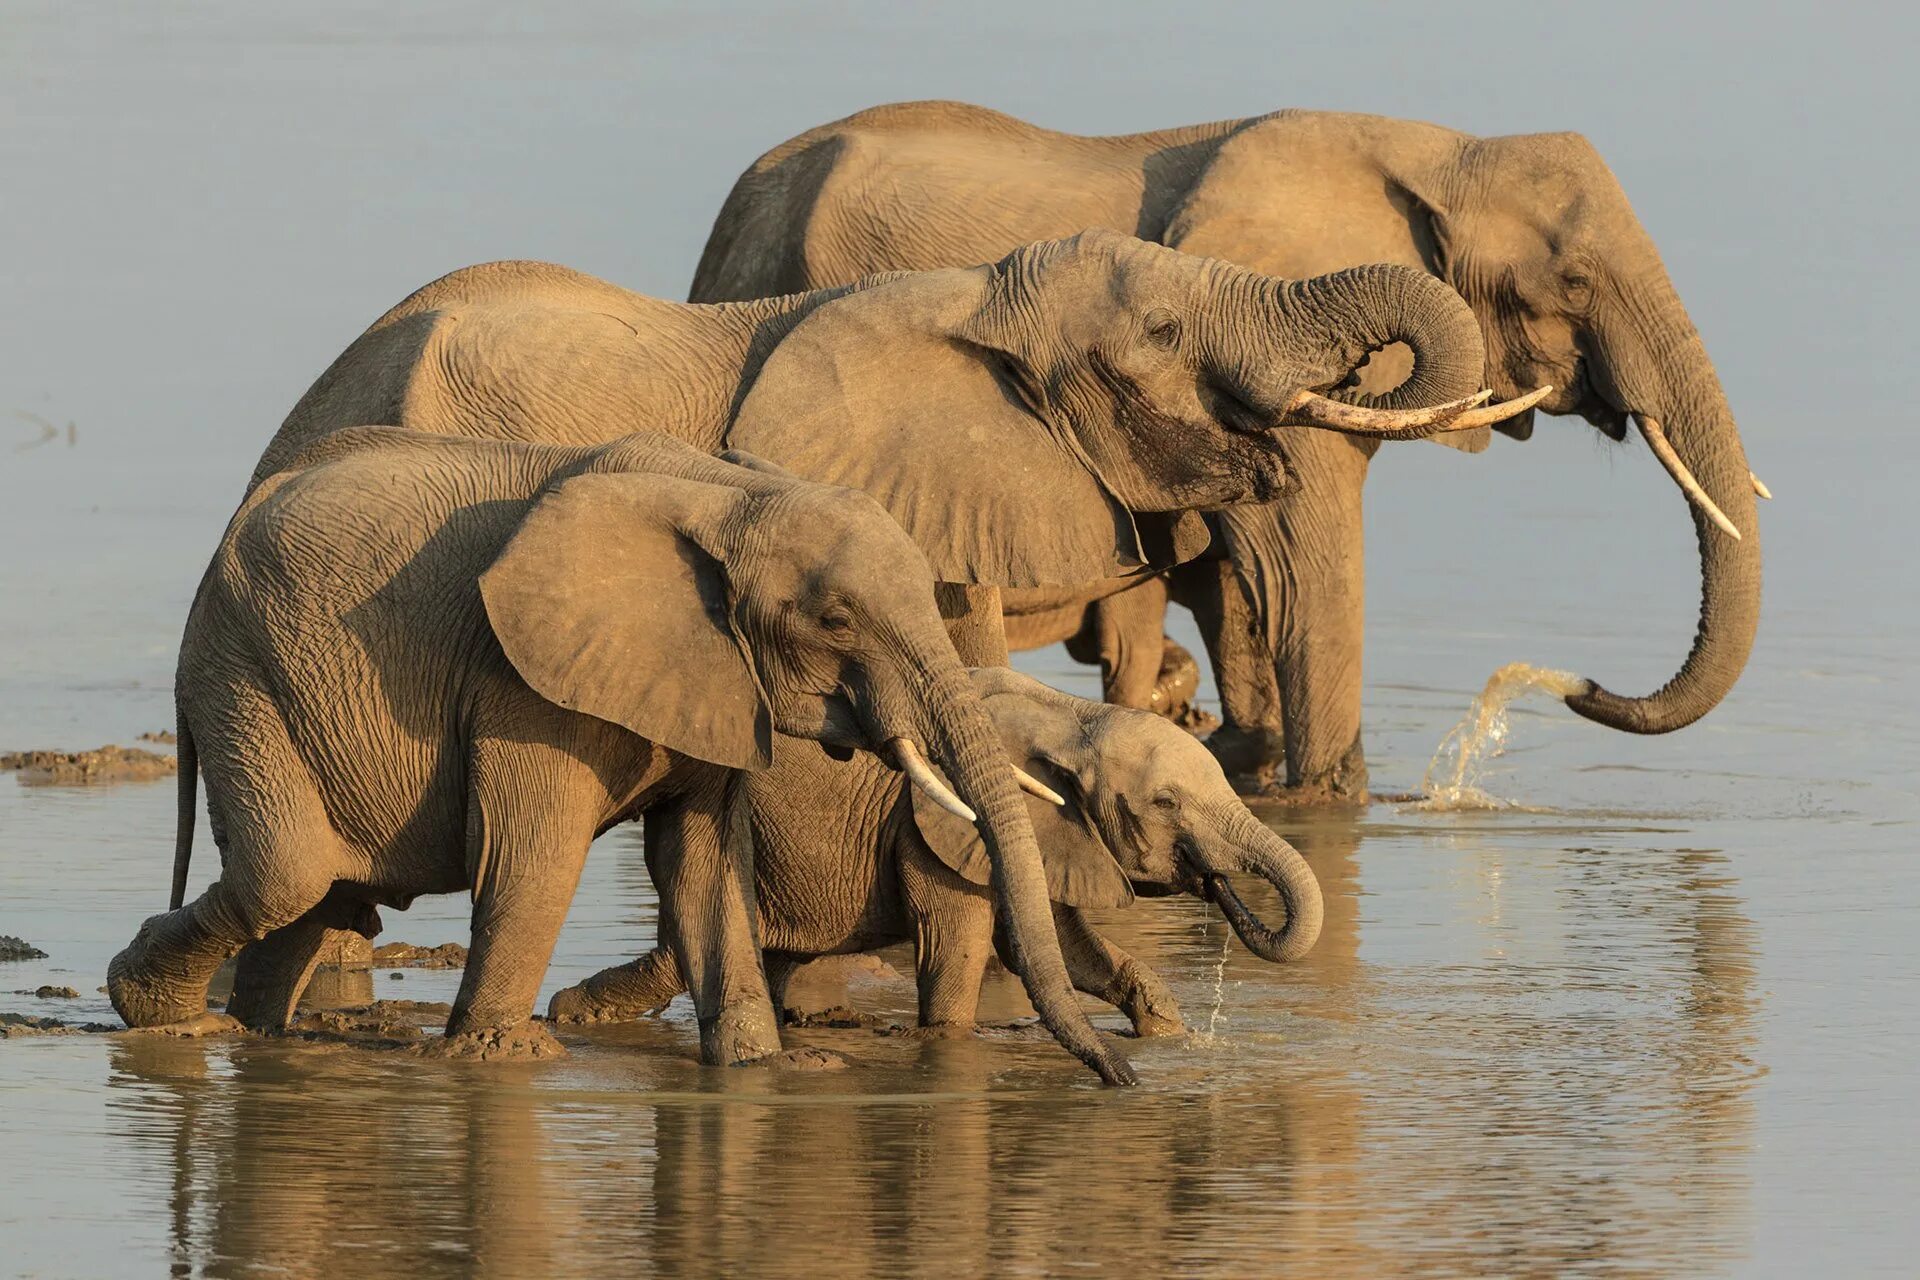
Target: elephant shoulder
x=509, y=281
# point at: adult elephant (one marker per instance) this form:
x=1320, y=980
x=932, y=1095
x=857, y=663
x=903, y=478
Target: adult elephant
x=1532, y=230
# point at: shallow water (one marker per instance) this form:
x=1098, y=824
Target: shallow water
x=1660, y=1018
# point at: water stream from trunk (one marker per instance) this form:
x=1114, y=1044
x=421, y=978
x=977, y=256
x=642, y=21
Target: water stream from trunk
x=1454, y=774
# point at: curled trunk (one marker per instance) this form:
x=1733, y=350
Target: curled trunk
x=1346, y=315
x=1685, y=396
x=1259, y=851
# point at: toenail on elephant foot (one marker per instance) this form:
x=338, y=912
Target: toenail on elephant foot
x=522, y=1042
x=740, y=1033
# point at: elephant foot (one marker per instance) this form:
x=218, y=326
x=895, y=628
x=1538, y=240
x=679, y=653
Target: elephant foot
x=581, y=1004
x=1176, y=683
x=1305, y=795
x=743, y=1032
x=204, y=1023
x=144, y=999
x=805, y=1058
x=940, y=1031
x=526, y=1041
x=636, y=989
x=1251, y=758
x=1139, y=993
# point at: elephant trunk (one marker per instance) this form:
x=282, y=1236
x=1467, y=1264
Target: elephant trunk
x=1259, y=851
x=963, y=737
x=1688, y=410
x=1347, y=315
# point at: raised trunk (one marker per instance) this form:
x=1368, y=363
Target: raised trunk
x=965, y=741
x=1257, y=850
x=1681, y=391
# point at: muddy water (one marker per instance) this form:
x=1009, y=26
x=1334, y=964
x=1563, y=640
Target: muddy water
x=1657, y=1018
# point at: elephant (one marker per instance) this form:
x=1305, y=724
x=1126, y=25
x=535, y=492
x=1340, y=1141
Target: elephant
x=1054, y=419
x=1533, y=231
x=1146, y=808
x=426, y=664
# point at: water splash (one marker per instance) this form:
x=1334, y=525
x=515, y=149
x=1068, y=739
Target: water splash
x=1453, y=775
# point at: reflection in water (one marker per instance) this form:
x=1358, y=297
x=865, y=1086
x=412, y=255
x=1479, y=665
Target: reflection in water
x=1560, y=1081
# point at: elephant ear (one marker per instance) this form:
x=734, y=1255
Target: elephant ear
x=1302, y=194
x=1081, y=869
x=609, y=600
x=880, y=391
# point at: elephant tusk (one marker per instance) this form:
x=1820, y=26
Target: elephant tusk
x=921, y=774
x=1760, y=488
x=1309, y=408
x=1499, y=412
x=1034, y=787
x=1663, y=450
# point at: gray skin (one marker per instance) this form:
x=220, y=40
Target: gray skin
x=1532, y=230
x=428, y=665
x=1067, y=409
x=1147, y=809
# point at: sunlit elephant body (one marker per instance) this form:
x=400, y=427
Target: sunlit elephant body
x=424, y=665
x=1533, y=231
x=1145, y=807
x=1050, y=420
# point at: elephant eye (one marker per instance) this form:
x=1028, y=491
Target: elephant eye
x=1162, y=328
x=1578, y=288
x=837, y=620
x=1166, y=802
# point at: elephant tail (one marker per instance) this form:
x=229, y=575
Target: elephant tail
x=189, y=805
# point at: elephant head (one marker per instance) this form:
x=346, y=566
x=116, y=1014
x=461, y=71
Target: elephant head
x=707, y=608
x=1143, y=807
x=1571, y=290
x=1060, y=415
x=1536, y=234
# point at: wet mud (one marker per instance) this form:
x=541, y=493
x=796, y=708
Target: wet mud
x=405, y=955
x=99, y=767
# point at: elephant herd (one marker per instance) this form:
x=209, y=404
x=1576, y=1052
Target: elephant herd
x=537, y=555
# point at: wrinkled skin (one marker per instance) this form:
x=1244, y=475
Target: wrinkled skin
x=425, y=665
x=1049, y=420
x=1532, y=230
x=1146, y=808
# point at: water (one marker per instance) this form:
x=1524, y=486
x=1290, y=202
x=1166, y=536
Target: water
x=1658, y=1018
x=1452, y=781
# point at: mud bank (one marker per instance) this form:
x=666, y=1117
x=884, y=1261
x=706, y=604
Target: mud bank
x=89, y=768
x=405, y=955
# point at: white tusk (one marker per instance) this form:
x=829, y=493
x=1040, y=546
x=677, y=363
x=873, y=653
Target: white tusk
x=1309, y=408
x=1486, y=417
x=1759, y=488
x=921, y=774
x=1034, y=787
x=1663, y=450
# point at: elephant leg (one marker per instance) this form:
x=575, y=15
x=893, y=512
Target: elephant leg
x=280, y=859
x=1319, y=624
x=622, y=993
x=1101, y=969
x=274, y=971
x=1124, y=633
x=953, y=939
x=706, y=919
x=1251, y=741
x=530, y=819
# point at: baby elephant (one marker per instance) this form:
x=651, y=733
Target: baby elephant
x=1145, y=805
x=423, y=665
